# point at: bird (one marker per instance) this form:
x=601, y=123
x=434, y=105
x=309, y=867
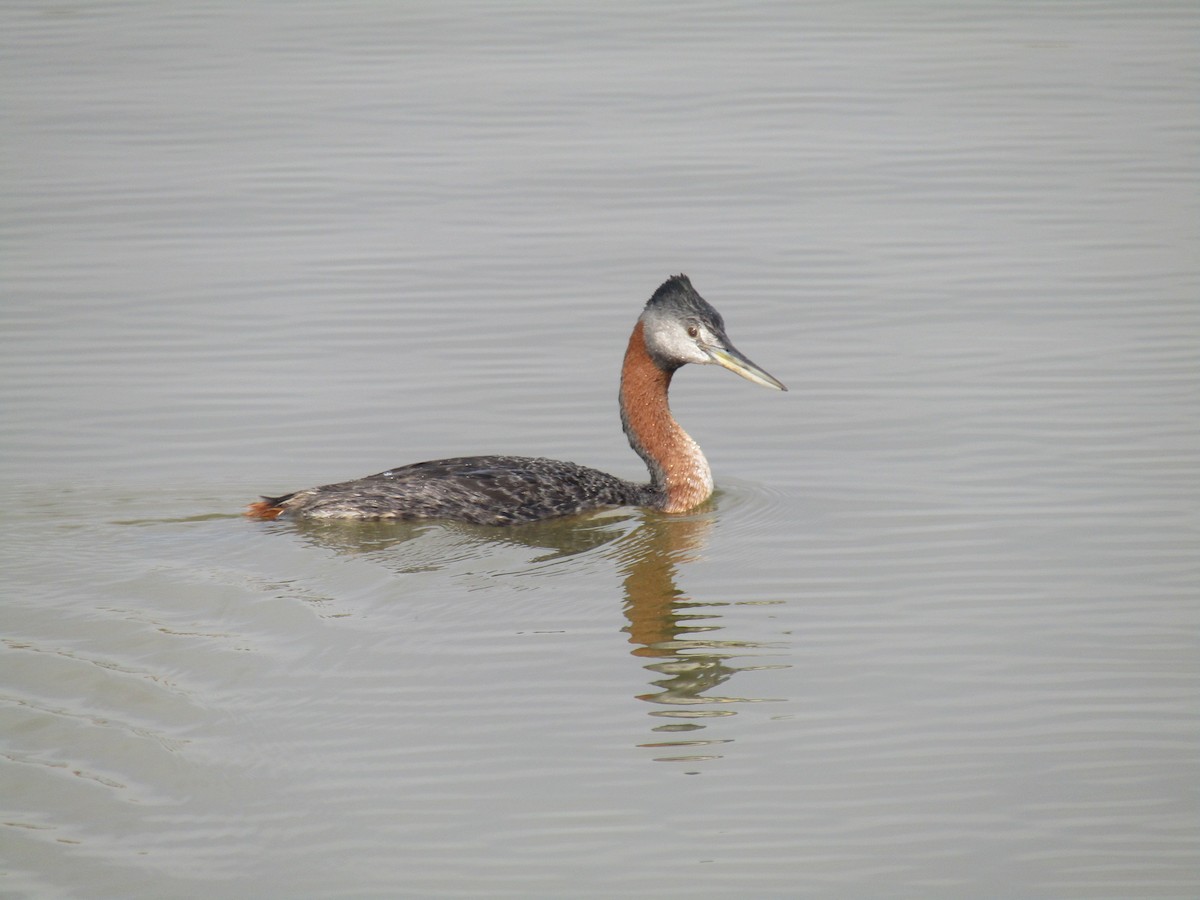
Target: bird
x=676, y=327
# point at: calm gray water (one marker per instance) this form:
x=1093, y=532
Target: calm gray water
x=937, y=634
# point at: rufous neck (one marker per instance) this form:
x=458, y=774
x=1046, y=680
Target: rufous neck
x=677, y=466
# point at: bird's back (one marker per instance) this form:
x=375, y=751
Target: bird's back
x=486, y=490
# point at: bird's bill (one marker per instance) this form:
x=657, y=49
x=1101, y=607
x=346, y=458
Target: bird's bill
x=733, y=360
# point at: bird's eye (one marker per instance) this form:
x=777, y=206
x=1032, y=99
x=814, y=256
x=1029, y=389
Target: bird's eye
x=693, y=331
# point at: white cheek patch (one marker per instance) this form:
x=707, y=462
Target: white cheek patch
x=673, y=342
x=667, y=342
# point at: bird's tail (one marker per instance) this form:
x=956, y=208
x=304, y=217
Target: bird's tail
x=267, y=508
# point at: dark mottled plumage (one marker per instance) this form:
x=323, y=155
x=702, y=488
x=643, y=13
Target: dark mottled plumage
x=486, y=490
x=676, y=327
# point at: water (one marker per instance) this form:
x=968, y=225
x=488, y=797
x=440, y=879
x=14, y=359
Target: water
x=935, y=636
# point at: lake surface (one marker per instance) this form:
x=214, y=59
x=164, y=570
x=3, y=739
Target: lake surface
x=935, y=636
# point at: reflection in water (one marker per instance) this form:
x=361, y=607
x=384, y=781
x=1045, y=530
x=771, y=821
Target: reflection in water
x=560, y=538
x=677, y=635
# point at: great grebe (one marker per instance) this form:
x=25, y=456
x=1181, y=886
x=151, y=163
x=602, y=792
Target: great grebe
x=677, y=327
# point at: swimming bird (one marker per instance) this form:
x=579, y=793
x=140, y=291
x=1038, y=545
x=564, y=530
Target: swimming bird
x=677, y=327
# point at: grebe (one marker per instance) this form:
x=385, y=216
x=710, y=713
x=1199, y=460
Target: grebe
x=677, y=327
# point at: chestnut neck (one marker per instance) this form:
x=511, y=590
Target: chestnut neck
x=679, y=473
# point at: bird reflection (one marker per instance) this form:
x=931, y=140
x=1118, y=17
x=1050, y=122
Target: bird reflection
x=679, y=634
x=680, y=639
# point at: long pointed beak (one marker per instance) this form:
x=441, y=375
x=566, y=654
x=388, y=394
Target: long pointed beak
x=732, y=359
